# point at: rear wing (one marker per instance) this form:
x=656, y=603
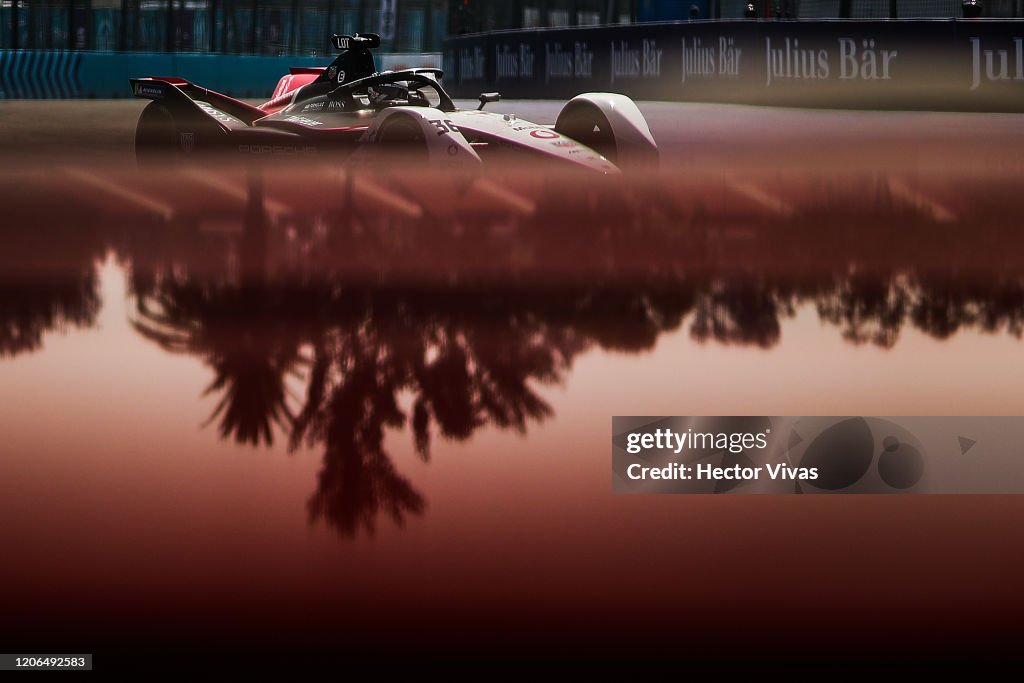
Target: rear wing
x=182, y=91
x=154, y=88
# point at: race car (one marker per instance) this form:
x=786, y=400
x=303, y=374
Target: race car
x=350, y=110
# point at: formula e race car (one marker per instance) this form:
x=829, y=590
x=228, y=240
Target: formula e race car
x=351, y=110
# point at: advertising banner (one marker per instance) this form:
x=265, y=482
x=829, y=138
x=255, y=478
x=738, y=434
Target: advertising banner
x=940, y=65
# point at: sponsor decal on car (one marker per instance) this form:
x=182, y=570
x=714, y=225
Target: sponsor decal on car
x=544, y=134
x=284, y=86
x=303, y=120
x=216, y=113
x=295, y=150
x=188, y=142
x=150, y=90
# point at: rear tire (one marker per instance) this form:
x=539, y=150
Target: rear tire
x=156, y=136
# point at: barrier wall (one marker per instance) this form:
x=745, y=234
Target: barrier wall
x=43, y=74
x=970, y=65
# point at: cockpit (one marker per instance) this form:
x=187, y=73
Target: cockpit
x=351, y=84
x=402, y=93
x=410, y=88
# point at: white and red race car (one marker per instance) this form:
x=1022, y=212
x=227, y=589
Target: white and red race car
x=350, y=110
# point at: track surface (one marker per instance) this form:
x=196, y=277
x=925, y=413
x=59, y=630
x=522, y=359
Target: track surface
x=701, y=135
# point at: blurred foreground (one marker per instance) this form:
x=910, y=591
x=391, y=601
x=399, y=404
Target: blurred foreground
x=168, y=338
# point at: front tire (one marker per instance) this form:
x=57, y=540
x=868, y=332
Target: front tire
x=586, y=124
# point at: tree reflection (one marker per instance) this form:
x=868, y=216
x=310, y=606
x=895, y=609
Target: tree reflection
x=335, y=332
x=869, y=308
x=48, y=282
x=239, y=333
x=741, y=311
x=993, y=304
x=348, y=414
x=389, y=307
x=240, y=325
x=464, y=362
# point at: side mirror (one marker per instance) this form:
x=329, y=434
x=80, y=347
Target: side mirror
x=486, y=97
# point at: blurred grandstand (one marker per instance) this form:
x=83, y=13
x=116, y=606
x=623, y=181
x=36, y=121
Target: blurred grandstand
x=280, y=27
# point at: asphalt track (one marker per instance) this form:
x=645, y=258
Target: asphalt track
x=697, y=136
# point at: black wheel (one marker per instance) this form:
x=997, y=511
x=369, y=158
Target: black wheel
x=156, y=136
x=586, y=124
x=402, y=136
